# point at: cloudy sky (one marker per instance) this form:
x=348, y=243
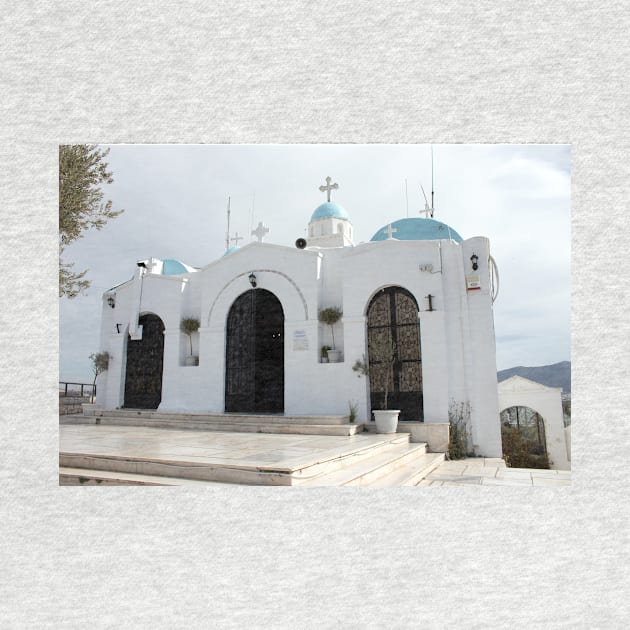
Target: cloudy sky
x=175, y=199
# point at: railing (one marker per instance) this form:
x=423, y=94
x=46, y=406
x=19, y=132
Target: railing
x=73, y=395
x=70, y=390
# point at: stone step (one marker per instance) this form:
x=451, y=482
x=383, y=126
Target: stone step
x=87, y=477
x=368, y=471
x=411, y=473
x=240, y=471
x=261, y=424
x=233, y=418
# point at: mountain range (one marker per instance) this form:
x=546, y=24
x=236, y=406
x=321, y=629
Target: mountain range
x=556, y=375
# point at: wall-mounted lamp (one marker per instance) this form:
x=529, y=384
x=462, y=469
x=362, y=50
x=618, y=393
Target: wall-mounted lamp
x=473, y=259
x=142, y=264
x=252, y=279
x=111, y=301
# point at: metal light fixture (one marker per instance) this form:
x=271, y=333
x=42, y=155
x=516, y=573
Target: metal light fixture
x=473, y=259
x=111, y=301
x=252, y=279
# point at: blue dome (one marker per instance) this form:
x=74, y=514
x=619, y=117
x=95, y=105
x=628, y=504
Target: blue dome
x=329, y=209
x=232, y=249
x=418, y=229
x=172, y=267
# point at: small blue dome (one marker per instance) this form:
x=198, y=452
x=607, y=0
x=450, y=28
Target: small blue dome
x=418, y=229
x=232, y=249
x=172, y=267
x=329, y=209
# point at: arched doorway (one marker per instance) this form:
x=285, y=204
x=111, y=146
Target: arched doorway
x=254, y=355
x=143, y=376
x=392, y=318
x=523, y=438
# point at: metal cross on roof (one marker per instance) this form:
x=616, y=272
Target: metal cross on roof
x=236, y=238
x=389, y=231
x=328, y=187
x=260, y=231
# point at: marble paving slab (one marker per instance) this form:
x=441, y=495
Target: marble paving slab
x=247, y=450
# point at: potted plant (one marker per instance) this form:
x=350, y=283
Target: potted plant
x=325, y=350
x=383, y=352
x=189, y=326
x=330, y=316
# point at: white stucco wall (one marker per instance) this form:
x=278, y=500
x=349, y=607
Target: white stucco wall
x=457, y=336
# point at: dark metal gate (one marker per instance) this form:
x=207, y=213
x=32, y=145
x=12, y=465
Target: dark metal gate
x=143, y=377
x=393, y=318
x=254, y=357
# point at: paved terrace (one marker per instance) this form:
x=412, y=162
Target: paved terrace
x=261, y=449
x=483, y=471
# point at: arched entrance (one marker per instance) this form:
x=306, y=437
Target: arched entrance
x=523, y=438
x=392, y=318
x=254, y=355
x=143, y=376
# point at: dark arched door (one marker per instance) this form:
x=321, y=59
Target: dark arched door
x=392, y=321
x=254, y=356
x=143, y=377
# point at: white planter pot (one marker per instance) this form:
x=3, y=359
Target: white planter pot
x=386, y=420
x=334, y=356
x=190, y=360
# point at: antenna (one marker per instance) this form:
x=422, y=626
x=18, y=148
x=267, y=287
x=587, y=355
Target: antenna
x=406, y=198
x=427, y=210
x=227, y=235
x=432, y=206
x=251, y=216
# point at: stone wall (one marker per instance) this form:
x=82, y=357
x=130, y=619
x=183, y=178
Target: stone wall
x=71, y=404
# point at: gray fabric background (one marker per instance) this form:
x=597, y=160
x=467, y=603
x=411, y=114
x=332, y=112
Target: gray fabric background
x=313, y=72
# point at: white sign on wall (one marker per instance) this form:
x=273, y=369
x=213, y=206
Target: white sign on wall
x=300, y=340
x=473, y=283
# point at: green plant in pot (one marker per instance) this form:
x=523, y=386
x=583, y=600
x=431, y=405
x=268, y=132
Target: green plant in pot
x=383, y=353
x=330, y=316
x=189, y=326
x=325, y=350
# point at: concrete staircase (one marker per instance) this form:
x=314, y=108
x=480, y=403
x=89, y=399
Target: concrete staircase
x=403, y=464
x=233, y=422
x=380, y=461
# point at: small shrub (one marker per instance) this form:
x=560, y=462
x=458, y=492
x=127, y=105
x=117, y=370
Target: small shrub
x=459, y=421
x=100, y=363
x=330, y=316
x=361, y=367
x=189, y=326
x=354, y=408
x=519, y=452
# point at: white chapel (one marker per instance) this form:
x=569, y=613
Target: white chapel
x=260, y=347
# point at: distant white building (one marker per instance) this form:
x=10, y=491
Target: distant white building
x=416, y=283
x=519, y=392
